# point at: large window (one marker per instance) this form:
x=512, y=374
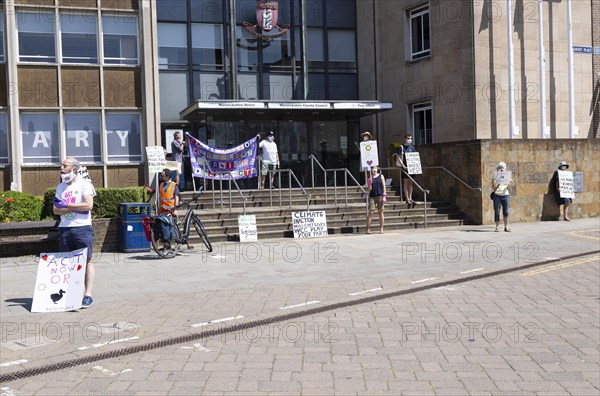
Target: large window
x=206, y=10
x=419, y=32
x=1, y=37
x=341, y=49
x=209, y=86
x=82, y=131
x=78, y=38
x=173, y=94
x=422, y=122
x=36, y=37
x=171, y=10
x=120, y=39
x=207, y=45
x=315, y=49
x=3, y=138
x=123, y=137
x=39, y=132
x=172, y=45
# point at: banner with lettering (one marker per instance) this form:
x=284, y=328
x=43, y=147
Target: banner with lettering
x=214, y=163
x=60, y=281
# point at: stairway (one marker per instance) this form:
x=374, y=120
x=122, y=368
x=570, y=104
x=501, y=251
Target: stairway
x=347, y=216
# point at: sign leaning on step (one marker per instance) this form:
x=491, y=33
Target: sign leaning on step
x=310, y=224
x=413, y=163
x=247, y=228
x=565, y=182
x=60, y=281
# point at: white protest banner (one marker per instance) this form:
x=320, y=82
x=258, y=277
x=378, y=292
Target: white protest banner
x=310, y=224
x=565, y=182
x=578, y=182
x=156, y=159
x=60, y=281
x=247, y=227
x=368, y=154
x=413, y=163
x=502, y=177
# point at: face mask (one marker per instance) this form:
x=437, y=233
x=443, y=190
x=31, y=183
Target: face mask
x=562, y=167
x=365, y=138
x=408, y=140
x=68, y=177
x=271, y=138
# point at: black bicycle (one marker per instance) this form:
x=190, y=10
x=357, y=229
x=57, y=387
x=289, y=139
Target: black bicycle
x=180, y=232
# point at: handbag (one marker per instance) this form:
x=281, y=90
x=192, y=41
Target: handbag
x=399, y=163
x=492, y=195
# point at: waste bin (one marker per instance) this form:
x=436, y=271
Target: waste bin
x=131, y=235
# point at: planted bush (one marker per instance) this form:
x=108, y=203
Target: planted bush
x=16, y=206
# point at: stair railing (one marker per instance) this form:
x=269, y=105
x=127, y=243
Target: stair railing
x=477, y=189
x=206, y=168
x=335, y=171
x=424, y=191
x=290, y=176
x=231, y=179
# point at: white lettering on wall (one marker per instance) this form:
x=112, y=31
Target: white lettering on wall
x=123, y=136
x=40, y=137
x=81, y=136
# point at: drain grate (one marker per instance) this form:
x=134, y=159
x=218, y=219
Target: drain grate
x=236, y=327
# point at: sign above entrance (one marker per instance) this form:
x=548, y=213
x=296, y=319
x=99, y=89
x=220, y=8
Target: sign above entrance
x=363, y=105
x=299, y=105
x=230, y=105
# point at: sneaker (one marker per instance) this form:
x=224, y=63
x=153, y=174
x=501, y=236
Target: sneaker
x=87, y=302
x=167, y=245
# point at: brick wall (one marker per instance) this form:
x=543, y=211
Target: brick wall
x=532, y=163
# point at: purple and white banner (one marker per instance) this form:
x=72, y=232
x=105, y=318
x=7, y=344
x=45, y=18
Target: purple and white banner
x=218, y=164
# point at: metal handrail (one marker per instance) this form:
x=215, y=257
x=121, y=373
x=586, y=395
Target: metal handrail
x=290, y=175
x=424, y=191
x=231, y=179
x=206, y=166
x=347, y=173
x=453, y=175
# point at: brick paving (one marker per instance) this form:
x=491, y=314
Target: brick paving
x=528, y=332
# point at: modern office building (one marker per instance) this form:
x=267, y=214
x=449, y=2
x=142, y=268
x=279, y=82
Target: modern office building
x=102, y=79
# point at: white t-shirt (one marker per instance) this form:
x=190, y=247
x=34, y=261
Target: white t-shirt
x=74, y=193
x=269, y=152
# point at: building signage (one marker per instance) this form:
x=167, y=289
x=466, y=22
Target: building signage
x=299, y=105
x=267, y=14
x=231, y=105
x=580, y=49
x=597, y=50
x=358, y=105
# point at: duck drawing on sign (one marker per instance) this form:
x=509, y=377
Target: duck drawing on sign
x=57, y=296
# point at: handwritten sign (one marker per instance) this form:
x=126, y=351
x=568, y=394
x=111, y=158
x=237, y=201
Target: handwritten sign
x=310, y=224
x=413, y=163
x=247, y=227
x=502, y=177
x=368, y=154
x=156, y=159
x=173, y=165
x=60, y=281
x=565, y=182
x=578, y=182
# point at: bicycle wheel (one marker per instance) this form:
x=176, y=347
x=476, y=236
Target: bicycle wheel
x=202, y=233
x=161, y=250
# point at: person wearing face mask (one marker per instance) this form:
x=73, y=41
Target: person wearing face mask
x=73, y=202
x=501, y=198
x=177, y=148
x=377, y=197
x=270, y=158
x=566, y=202
x=407, y=184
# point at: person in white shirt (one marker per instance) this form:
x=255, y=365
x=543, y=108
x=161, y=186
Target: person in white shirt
x=73, y=202
x=270, y=157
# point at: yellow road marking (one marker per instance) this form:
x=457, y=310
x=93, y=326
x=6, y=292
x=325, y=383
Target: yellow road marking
x=577, y=234
x=564, y=265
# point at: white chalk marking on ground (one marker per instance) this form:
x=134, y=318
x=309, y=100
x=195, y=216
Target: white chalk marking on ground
x=111, y=373
x=217, y=321
x=83, y=348
x=422, y=280
x=472, y=270
x=196, y=346
x=13, y=363
x=6, y=391
x=365, y=291
x=300, y=305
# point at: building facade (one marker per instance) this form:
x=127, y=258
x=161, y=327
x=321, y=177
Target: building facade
x=102, y=79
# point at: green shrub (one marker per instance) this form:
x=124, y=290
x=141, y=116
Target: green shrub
x=17, y=206
x=105, y=201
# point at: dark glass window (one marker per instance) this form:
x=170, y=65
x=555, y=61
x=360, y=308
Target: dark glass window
x=341, y=49
x=245, y=11
x=36, y=37
x=207, y=44
x=206, y=10
x=172, y=44
x=419, y=32
x=1, y=37
x=341, y=13
x=316, y=87
x=343, y=87
x=171, y=10
x=314, y=12
x=278, y=52
x=210, y=86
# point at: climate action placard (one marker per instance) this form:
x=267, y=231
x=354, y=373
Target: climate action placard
x=310, y=224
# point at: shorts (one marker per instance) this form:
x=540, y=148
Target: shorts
x=375, y=202
x=266, y=168
x=73, y=238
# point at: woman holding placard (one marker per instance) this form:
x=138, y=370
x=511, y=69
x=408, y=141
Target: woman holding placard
x=500, y=195
x=407, y=184
x=562, y=166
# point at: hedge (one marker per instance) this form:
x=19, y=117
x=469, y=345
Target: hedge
x=16, y=206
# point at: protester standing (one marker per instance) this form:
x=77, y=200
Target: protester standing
x=73, y=202
x=501, y=198
x=270, y=158
x=566, y=202
x=377, y=197
x=177, y=148
x=407, y=183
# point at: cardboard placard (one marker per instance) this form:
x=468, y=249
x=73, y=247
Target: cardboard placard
x=369, y=155
x=310, y=224
x=413, y=163
x=247, y=228
x=565, y=181
x=502, y=177
x=60, y=281
x=156, y=159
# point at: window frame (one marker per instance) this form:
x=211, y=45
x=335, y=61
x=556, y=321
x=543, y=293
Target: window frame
x=121, y=61
x=133, y=159
x=78, y=60
x=419, y=13
x=427, y=136
x=92, y=158
x=54, y=145
x=34, y=59
x=2, y=46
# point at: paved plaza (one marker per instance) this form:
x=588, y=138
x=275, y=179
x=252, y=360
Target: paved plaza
x=442, y=311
